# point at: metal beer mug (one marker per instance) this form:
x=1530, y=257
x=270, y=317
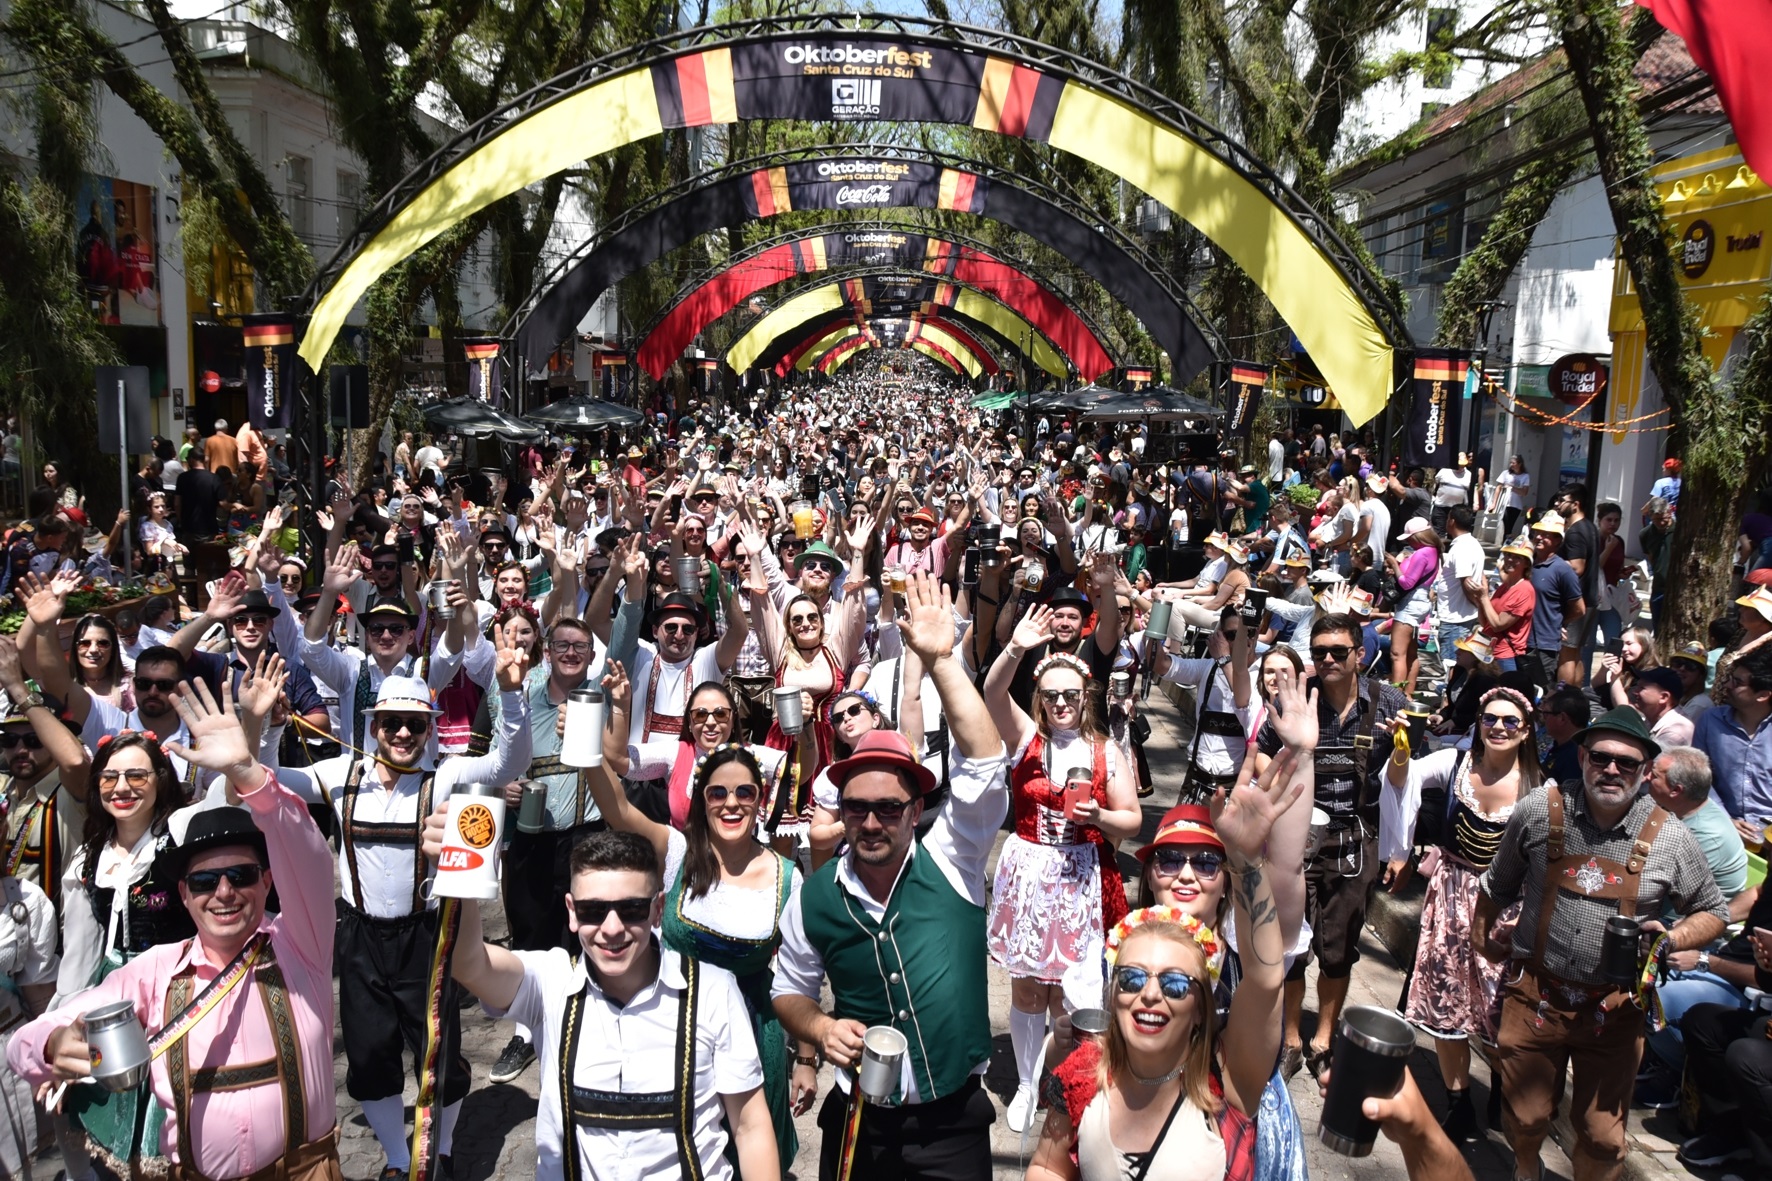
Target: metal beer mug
x=882, y=1055
x=117, y=1046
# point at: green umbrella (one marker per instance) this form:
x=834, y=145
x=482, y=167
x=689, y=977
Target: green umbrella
x=995, y=400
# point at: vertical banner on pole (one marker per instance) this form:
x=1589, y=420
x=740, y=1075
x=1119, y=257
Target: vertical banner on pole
x=269, y=340
x=1247, y=381
x=1431, y=439
x=485, y=380
x=709, y=373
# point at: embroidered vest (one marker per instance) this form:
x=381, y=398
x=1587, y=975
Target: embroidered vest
x=921, y=970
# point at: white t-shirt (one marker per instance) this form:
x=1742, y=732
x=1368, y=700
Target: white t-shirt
x=1276, y=462
x=1515, y=486
x=1380, y=532
x=1451, y=487
x=1463, y=559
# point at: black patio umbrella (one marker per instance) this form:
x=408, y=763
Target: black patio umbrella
x=581, y=415
x=479, y=420
x=1158, y=403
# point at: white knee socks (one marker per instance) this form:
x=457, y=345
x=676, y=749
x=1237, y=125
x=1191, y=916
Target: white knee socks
x=1027, y=1034
x=387, y=1119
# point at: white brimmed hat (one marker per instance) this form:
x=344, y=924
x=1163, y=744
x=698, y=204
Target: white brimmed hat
x=403, y=695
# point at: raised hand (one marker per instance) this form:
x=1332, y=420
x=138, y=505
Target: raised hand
x=927, y=625
x=1033, y=629
x=43, y=598
x=617, y=686
x=1294, y=714
x=635, y=563
x=513, y=665
x=229, y=593
x=12, y=675
x=343, y=571
x=262, y=686
x=1246, y=816
x=451, y=555
x=1338, y=599
x=1103, y=569
x=219, y=737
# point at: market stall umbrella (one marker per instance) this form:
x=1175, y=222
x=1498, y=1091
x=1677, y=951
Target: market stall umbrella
x=1158, y=404
x=995, y=400
x=479, y=420
x=581, y=415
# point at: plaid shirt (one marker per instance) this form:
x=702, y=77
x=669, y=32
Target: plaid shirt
x=1335, y=754
x=1675, y=873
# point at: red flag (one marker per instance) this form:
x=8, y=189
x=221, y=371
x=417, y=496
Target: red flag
x=1727, y=40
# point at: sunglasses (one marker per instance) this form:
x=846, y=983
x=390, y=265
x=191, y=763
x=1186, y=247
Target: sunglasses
x=136, y=777
x=162, y=684
x=207, y=881
x=677, y=629
x=1332, y=653
x=289, y=579
x=1054, y=696
x=1504, y=721
x=802, y=620
x=818, y=564
x=411, y=723
x=258, y=621
x=1600, y=760
x=98, y=643
x=744, y=793
x=718, y=713
x=888, y=811
x=854, y=711
x=1206, y=864
x=592, y=911
x=28, y=741
x=384, y=565
x=1175, y=984
x=385, y=629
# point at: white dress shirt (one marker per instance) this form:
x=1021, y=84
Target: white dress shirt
x=675, y=682
x=631, y=1049
x=386, y=871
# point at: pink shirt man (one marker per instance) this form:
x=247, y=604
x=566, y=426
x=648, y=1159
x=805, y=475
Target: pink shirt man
x=235, y=1133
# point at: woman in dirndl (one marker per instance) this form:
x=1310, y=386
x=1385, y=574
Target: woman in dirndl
x=795, y=643
x=119, y=898
x=1058, y=889
x=1457, y=803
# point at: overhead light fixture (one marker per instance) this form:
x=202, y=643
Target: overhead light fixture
x=1744, y=178
x=1678, y=195
x=1709, y=187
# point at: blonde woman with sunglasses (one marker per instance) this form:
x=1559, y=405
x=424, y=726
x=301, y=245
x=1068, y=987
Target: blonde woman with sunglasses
x=1057, y=889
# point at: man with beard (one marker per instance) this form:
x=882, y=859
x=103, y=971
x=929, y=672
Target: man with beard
x=931, y=894
x=1573, y=857
x=1070, y=611
x=665, y=672
x=386, y=933
x=45, y=781
x=921, y=549
x=258, y=1050
x=249, y=626
x=356, y=674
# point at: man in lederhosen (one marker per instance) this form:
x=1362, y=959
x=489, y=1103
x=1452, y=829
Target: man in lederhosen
x=386, y=931
x=45, y=784
x=645, y=1051
x=1222, y=699
x=1575, y=855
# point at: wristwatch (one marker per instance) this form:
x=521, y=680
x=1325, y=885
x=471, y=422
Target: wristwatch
x=31, y=700
x=1704, y=961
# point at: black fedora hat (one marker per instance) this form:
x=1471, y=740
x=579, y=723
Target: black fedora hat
x=218, y=828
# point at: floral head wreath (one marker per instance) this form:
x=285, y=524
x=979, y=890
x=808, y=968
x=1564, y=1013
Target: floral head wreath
x=1510, y=694
x=873, y=703
x=699, y=778
x=1061, y=660
x=1199, y=932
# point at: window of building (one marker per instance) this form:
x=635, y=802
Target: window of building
x=299, y=192
x=1442, y=26
x=350, y=203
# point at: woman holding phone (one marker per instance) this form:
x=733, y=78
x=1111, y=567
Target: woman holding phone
x=1057, y=890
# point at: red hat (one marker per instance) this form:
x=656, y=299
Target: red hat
x=924, y=515
x=1184, y=824
x=1671, y=465
x=75, y=516
x=1760, y=577
x=883, y=748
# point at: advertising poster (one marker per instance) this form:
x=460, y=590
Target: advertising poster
x=115, y=252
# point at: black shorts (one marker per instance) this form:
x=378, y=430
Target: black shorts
x=1337, y=884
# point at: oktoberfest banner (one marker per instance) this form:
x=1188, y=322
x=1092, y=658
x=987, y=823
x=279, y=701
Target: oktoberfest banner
x=1247, y=381
x=1435, y=407
x=269, y=340
x=485, y=380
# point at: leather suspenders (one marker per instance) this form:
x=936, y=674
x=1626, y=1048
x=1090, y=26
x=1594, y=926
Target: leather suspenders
x=353, y=830
x=583, y=1107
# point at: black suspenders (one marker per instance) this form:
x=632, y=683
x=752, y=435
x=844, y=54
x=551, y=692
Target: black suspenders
x=582, y=1107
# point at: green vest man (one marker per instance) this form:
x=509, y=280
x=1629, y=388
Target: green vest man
x=898, y=926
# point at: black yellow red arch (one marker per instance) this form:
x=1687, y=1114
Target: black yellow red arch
x=867, y=177
x=871, y=244
x=849, y=67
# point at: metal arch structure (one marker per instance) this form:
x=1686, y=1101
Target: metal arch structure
x=828, y=297
x=983, y=335
x=952, y=338
x=787, y=67
x=705, y=297
x=753, y=189
x=968, y=363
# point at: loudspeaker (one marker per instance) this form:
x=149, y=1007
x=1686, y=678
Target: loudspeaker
x=350, y=396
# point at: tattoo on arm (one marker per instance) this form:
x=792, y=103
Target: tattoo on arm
x=1259, y=903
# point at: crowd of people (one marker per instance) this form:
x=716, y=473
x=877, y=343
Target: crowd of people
x=842, y=636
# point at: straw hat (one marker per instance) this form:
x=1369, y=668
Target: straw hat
x=1551, y=522
x=1760, y=600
